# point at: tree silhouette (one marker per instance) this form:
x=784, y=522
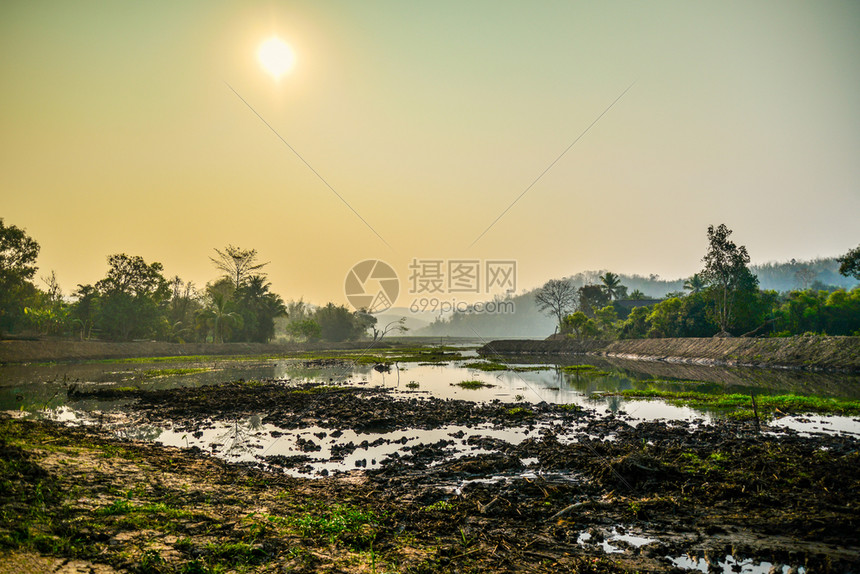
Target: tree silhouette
x=611, y=285
x=238, y=264
x=259, y=307
x=557, y=297
x=850, y=263
x=726, y=273
x=695, y=283
x=219, y=316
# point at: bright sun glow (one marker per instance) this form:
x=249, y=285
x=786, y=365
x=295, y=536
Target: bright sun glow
x=276, y=57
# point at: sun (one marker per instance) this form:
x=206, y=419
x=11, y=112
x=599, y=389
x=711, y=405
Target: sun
x=276, y=57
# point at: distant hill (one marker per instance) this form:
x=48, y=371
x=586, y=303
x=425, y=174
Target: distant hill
x=528, y=322
x=815, y=273
x=414, y=321
x=524, y=321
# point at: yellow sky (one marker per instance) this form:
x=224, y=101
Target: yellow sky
x=119, y=133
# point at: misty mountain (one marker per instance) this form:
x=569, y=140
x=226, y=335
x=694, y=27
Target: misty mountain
x=815, y=273
x=414, y=321
x=510, y=317
x=526, y=321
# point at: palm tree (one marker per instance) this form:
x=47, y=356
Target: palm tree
x=611, y=285
x=259, y=307
x=219, y=316
x=695, y=283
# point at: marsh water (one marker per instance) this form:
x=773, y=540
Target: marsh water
x=41, y=391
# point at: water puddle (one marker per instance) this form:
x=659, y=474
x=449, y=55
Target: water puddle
x=620, y=539
x=731, y=565
x=807, y=425
x=606, y=540
x=321, y=451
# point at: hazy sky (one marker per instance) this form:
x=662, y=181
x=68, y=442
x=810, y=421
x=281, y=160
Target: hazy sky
x=119, y=133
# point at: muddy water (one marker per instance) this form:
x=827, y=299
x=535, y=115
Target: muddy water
x=42, y=391
x=34, y=388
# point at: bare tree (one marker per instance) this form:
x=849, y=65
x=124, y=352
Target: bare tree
x=55, y=294
x=557, y=297
x=398, y=325
x=238, y=264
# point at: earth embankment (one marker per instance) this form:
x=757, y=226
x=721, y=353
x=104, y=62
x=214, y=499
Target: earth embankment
x=803, y=352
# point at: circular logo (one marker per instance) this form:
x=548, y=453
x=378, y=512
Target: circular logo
x=372, y=286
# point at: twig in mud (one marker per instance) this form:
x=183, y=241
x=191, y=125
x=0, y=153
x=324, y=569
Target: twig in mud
x=567, y=509
x=755, y=412
x=486, y=507
x=466, y=553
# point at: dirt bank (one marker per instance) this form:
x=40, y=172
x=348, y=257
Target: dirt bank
x=12, y=351
x=804, y=352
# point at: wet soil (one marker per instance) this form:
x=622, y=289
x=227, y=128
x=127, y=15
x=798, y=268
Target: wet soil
x=551, y=503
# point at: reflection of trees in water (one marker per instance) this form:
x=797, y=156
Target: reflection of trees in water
x=139, y=432
x=299, y=373
x=385, y=369
x=588, y=383
x=613, y=403
x=239, y=438
x=61, y=413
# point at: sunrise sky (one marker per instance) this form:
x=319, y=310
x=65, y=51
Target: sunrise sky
x=121, y=131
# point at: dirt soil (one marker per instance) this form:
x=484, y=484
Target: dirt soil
x=808, y=352
x=708, y=491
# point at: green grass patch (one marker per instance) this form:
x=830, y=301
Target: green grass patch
x=521, y=412
x=472, y=385
x=153, y=373
x=742, y=404
x=577, y=368
x=693, y=463
x=531, y=369
x=486, y=366
x=440, y=506
x=386, y=356
x=340, y=523
x=571, y=407
x=172, y=359
x=490, y=366
x=114, y=451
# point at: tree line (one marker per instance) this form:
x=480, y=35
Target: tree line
x=135, y=301
x=723, y=299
